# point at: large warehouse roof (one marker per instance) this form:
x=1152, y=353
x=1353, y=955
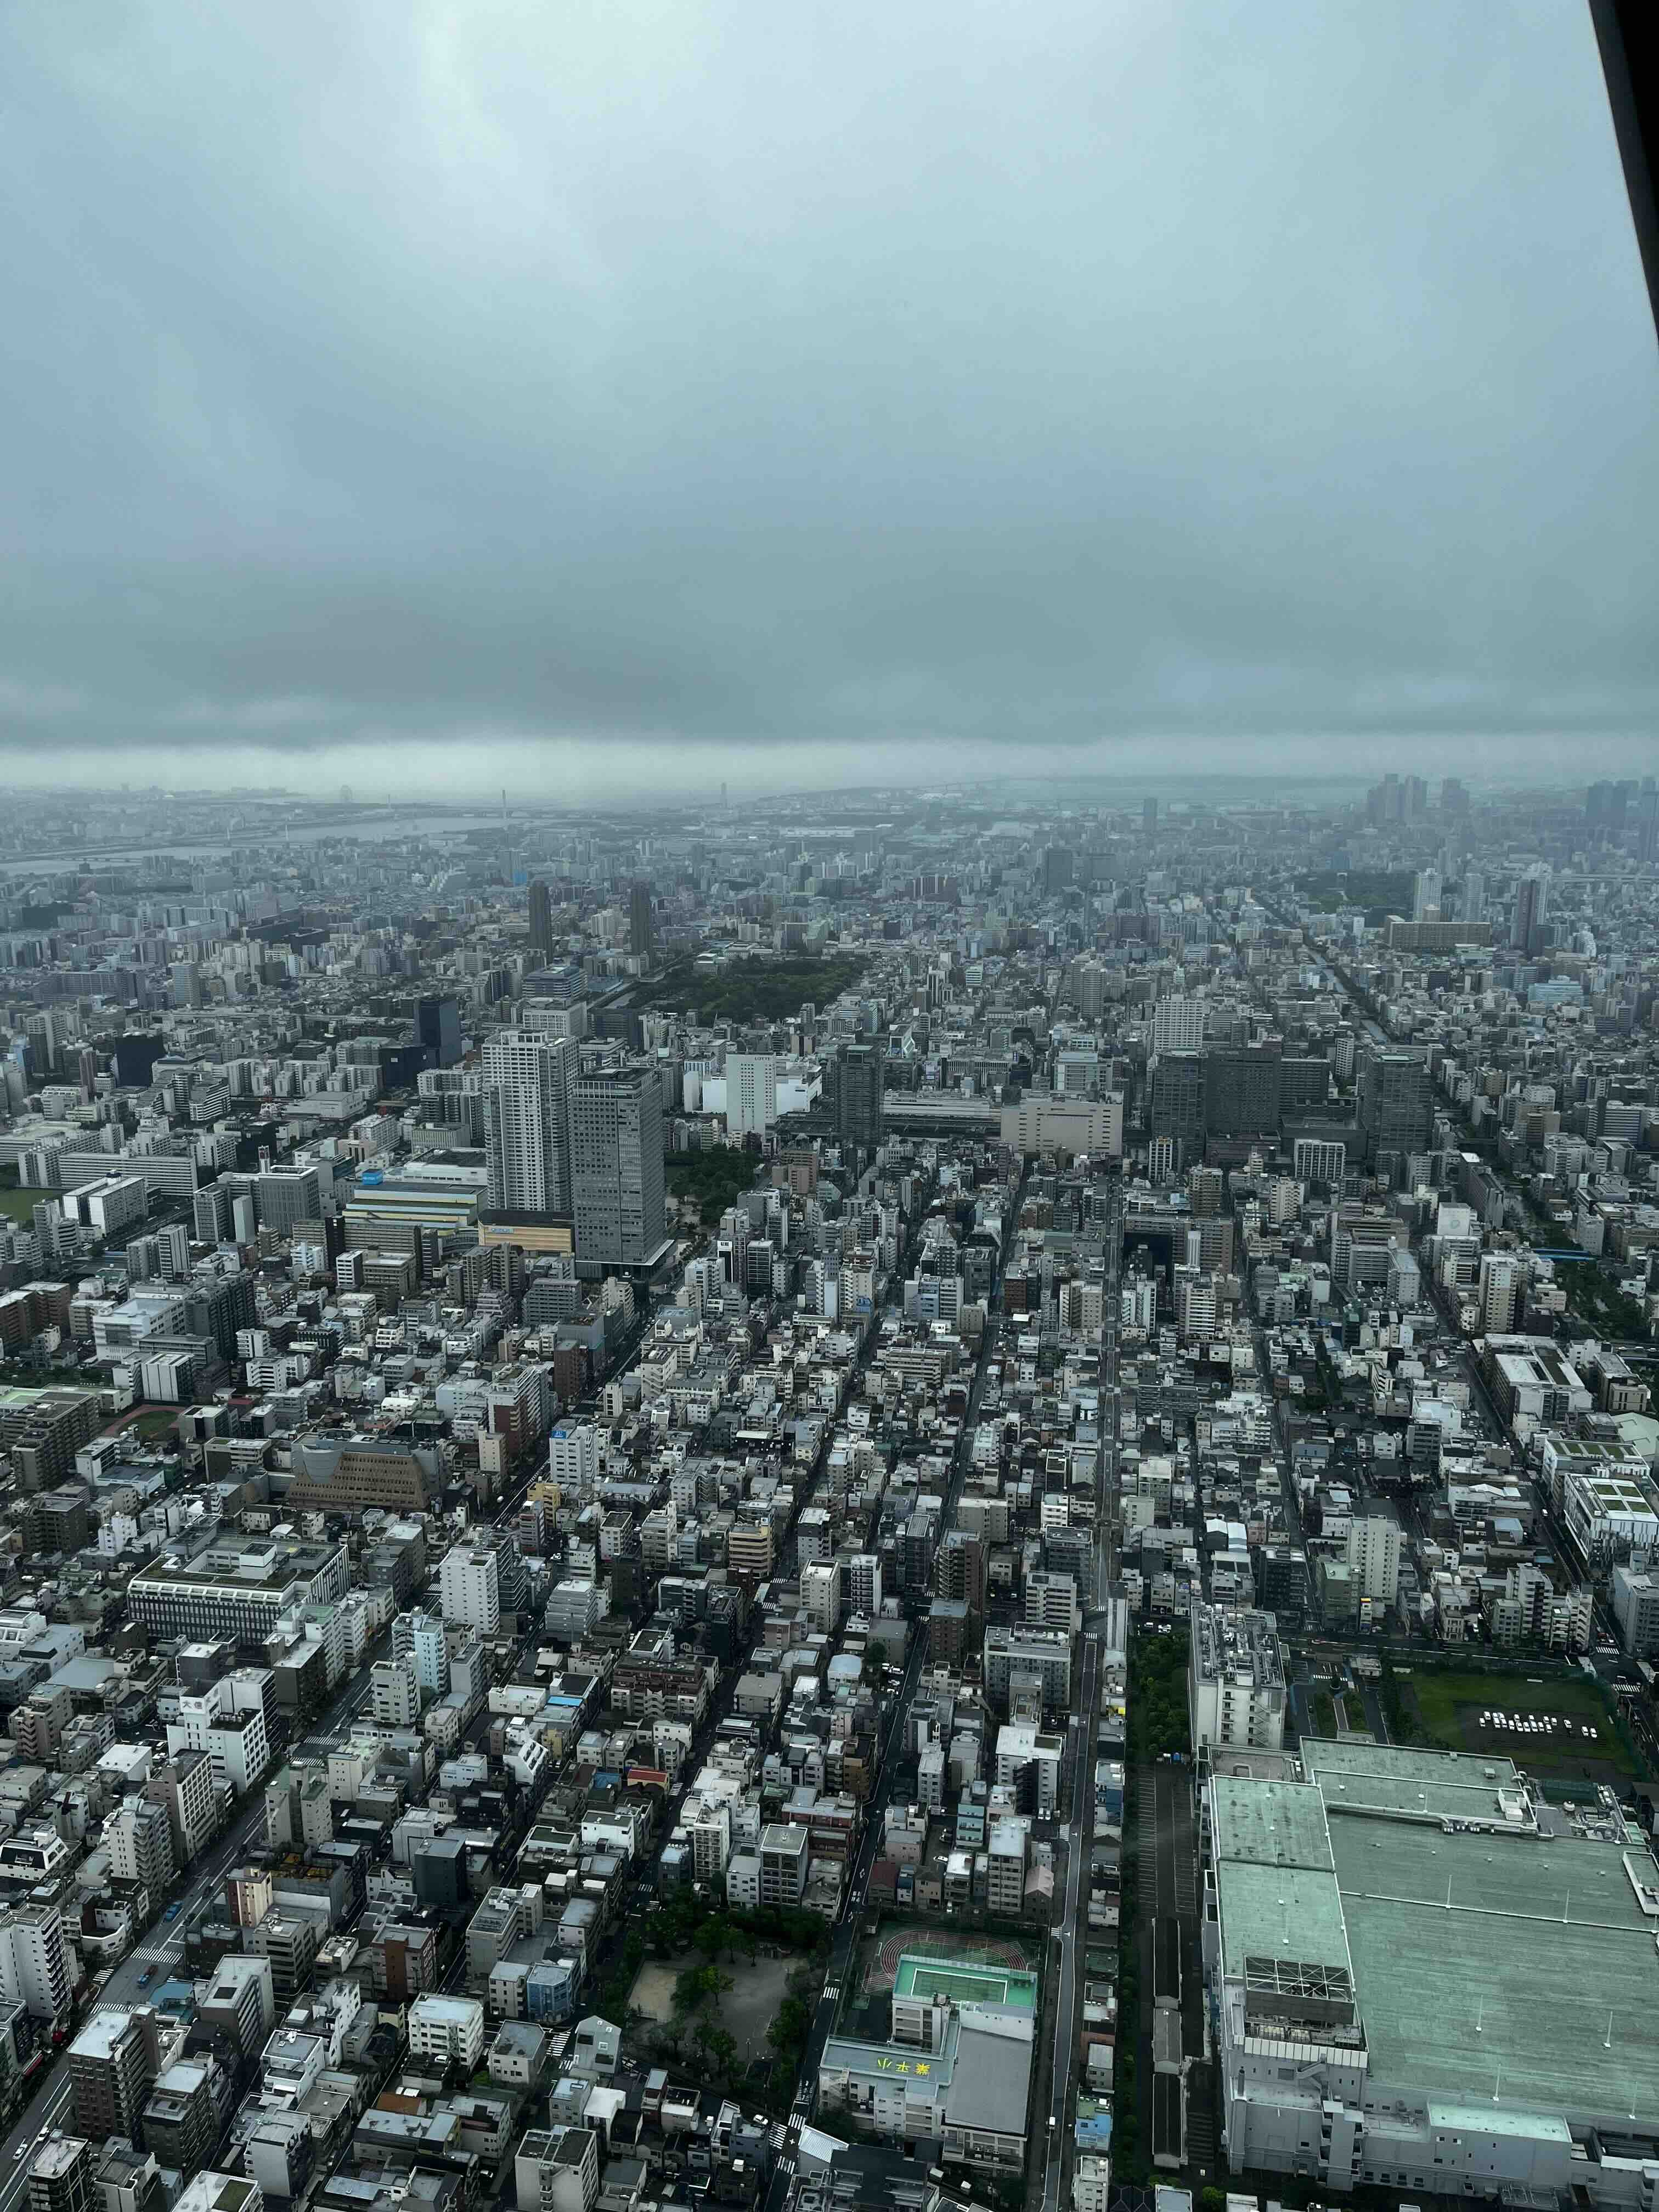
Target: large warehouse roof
x=1493, y=1967
x=1502, y=1969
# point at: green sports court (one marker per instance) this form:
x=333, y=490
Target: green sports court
x=959, y=1981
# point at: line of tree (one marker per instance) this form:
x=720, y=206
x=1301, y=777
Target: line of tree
x=1158, y=1721
x=715, y=1177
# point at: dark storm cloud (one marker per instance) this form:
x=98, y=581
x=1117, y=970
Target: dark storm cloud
x=483, y=387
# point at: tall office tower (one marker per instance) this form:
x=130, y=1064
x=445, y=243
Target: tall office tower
x=1176, y=1109
x=283, y=1196
x=1242, y=1088
x=438, y=1027
x=1475, y=895
x=1386, y=801
x=1531, y=904
x=1605, y=806
x=1057, y=868
x=541, y=919
x=1396, y=1103
x=526, y=1109
x=1426, y=894
x=1454, y=796
x=211, y=1208
x=1149, y=816
x=395, y=1688
x=616, y=1166
x=1178, y=1025
x=860, y=1073
x=751, y=1093
x=642, y=931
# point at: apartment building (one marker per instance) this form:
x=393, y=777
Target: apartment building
x=1235, y=1678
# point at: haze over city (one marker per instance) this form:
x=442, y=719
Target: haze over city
x=589, y=398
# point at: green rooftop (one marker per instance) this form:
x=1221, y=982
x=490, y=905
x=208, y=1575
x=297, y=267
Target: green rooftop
x=963, y=1981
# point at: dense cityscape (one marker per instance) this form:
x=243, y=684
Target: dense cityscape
x=771, y=1505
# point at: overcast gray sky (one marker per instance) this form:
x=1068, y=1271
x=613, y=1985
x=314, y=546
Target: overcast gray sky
x=616, y=389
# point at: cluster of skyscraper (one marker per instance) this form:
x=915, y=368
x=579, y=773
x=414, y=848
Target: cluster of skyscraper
x=588, y=1148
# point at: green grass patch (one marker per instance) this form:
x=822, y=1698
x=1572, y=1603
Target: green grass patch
x=19, y=1205
x=1449, y=1706
x=157, y=1421
x=749, y=990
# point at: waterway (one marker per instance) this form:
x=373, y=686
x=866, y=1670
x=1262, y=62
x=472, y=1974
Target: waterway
x=367, y=829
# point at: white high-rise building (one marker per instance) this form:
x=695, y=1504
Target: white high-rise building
x=1475, y=895
x=1501, y=1278
x=1319, y=1159
x=751, y=1094
x=1178, y=1025
x=526, y=1112
x=140, y=1844
x=1051, y=1602
x=1235, y=1678
x=1374, y=1558
x=34, y=1967
x=820, y=1596
x=863, y=1584
x=572, y=1458
x=431, y=1648
x=396, y=1684
x=469, y=1583
x=227, y=1721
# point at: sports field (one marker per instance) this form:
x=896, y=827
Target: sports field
x=920, y=1958
x=962, y=1983
x=1552, y=1725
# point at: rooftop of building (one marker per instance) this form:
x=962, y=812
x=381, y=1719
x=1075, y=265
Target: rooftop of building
x=1236, y=1640
x=1508, y=1969
x=455, y=2011
x=1390, y=1779
x=1493, y=1965
x=964, y=1981
x=56, y=2157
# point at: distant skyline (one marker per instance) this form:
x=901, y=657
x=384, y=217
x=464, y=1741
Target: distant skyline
x=611, y=400
x=1072, y=782
x=1055, y=798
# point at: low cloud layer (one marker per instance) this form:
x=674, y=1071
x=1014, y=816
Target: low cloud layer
x=661, y=390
